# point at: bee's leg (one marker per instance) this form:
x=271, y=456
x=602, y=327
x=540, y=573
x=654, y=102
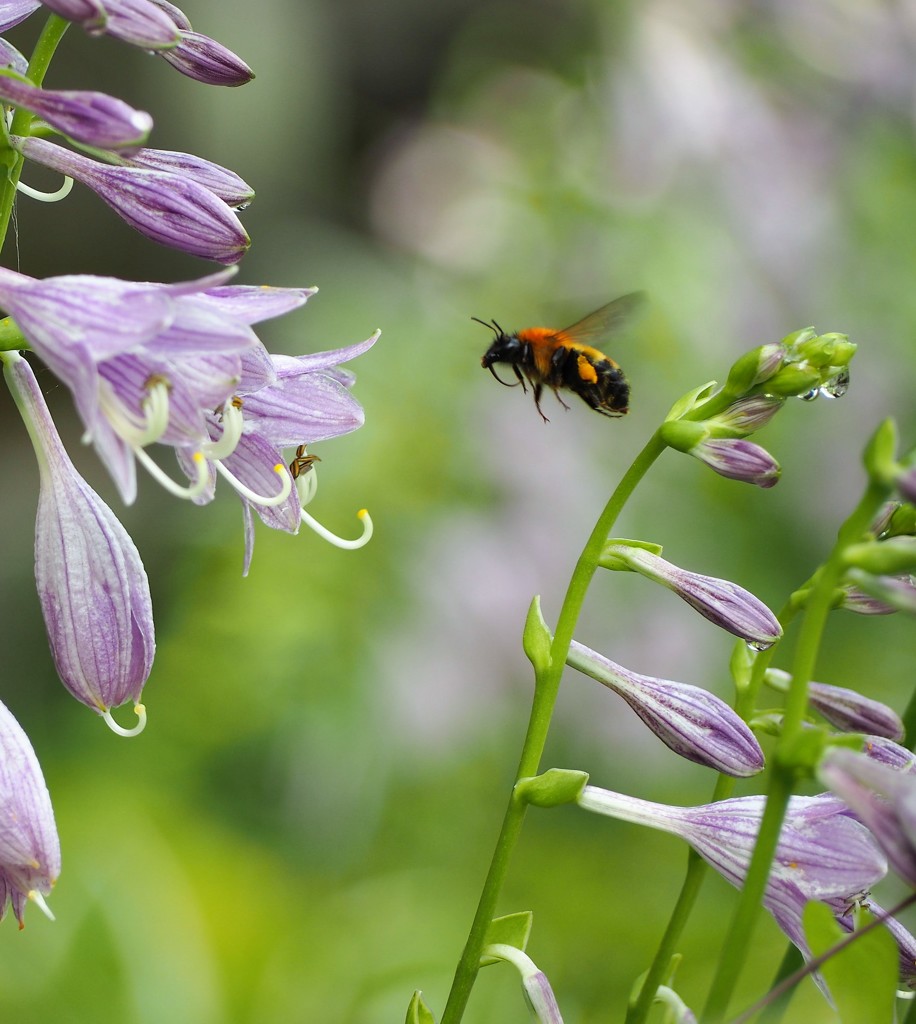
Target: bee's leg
x=521, y=379
x=538, y=390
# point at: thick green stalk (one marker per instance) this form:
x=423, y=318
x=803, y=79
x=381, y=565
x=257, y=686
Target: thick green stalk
x=784, y=771
x=545, y=696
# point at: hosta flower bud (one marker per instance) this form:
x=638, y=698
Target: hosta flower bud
x=845, y=709
x=745, y=416
x=204, y=59
x=721, y=601
x=92, y=118
x=754, y=368
x=29, y=846
x=168, y=208
x=738, y=459
x=690, y=720
x=91, y=583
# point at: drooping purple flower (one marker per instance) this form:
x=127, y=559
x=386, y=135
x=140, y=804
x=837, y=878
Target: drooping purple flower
x=690, y=720
x=882, y=798
x=170, y=209
x=890, y=754
x=822, y=854
x=92, y=587
x=721, y=601
x=222, y=182
x=868, y=594
x=205, y=60
x=535, y=986
x=15, y=11
x=845, y=709
x=93, y=118
x=139, y=23
x=11, y=58
x=29, y=845
x=738, y=459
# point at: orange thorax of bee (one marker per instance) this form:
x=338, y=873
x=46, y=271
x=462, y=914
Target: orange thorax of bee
x=544, y=341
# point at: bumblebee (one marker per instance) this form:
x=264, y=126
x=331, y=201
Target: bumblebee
x=554, y=359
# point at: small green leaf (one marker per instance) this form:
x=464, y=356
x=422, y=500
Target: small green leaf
x=554, y=787
x=880, y=455
x=686, y=403
x=511, y=930
x=611, y=558
x=537, y=638
x=862, y=978
x=418, y=1012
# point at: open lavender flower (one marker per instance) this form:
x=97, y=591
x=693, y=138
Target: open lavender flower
x=721, y=601
x=92, y=587
x=823, y=853
x=180, y=365
x=169, y=208
x=29, y=846
x=690, y=720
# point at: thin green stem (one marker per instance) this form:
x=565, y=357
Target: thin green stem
x=50, y=37
x=786, y=760
x=545, y=696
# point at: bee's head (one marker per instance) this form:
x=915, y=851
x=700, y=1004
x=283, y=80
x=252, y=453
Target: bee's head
x=506, y=348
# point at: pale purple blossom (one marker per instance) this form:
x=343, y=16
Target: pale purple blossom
x=690, y=720
x=822, y=854
x=29, y=845
x=738, y=459
x=93, y=118
x=170, y=209
x=92, y=586
x=204, y=59
x=845, y=709
x=222, y=182
x=722, y=602
x=882, y=798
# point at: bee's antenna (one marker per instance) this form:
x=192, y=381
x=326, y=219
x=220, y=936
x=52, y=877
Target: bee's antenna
x=494, y=327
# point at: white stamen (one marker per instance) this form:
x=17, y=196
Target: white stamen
x=139, y=711
x=169, y=484
x=226, y=443
x=307, y=485
x=47, y=197
x=259, y=499
x=137, y=432
x=339, y=542
x=36, y=897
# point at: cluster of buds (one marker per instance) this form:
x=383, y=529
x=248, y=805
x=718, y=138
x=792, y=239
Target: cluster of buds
x=174, y=365
x=713, y=424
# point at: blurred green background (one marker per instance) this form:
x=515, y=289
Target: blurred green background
x=302, y=832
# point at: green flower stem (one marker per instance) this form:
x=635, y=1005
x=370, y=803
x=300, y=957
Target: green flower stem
x=51, y=35
x=786, y=768
x=545, y=695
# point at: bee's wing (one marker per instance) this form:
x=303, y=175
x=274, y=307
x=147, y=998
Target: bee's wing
x=606, y=321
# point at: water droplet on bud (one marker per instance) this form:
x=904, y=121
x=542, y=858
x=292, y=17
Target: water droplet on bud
x=837, y=386
x=809, y=396
x=760, y=645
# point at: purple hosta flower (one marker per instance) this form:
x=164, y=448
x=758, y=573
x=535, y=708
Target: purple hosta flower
x=822, y=854
x=222, y=182
x=168, y=208
x=304, y=401
x=722, y=602
x=906, y=484
x=890, y=754
x=867, y=594
x=29, y=846
x=538, y=993
x=92, y=118
x=91, y=583
x=205, y=60
x=11, y=58
x=846, y=710
x=906, y=942
x=738, y=459
x=12, y=12
x=882, y=798
x=691, y=721
x=745, y=416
